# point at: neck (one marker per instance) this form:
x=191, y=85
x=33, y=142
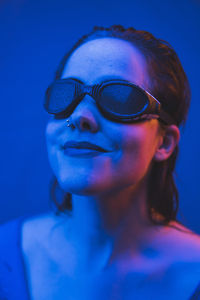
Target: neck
x=111, y=219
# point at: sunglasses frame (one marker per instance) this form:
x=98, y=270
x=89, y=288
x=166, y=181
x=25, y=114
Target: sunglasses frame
x=152, y=111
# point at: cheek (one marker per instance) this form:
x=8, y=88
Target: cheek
x=51, y=133
x=53, y=129
x=135, y=156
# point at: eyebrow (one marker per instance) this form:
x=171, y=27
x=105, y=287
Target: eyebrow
x=99, y=81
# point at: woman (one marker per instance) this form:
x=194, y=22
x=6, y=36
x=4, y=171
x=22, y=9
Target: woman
x=116, y=105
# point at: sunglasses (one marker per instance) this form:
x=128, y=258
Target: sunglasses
x=118, y=100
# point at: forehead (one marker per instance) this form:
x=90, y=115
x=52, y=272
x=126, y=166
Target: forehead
x=106, y=58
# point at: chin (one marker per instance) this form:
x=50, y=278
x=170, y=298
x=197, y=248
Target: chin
x=83, y=185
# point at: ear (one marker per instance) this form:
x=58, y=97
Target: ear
x=167, y=143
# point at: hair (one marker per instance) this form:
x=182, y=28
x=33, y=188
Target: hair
x=169, y=84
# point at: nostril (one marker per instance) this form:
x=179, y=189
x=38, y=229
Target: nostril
x=85, y=125
x=85, y=120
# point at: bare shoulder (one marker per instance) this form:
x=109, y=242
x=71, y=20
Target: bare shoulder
x=36, y=229
x=177, y=262
x=186, y=236
x=185, y=269
x=186, y=242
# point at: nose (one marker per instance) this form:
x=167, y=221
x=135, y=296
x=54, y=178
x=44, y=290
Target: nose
x=85, y=116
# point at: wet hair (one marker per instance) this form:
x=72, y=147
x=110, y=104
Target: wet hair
x=169, y=84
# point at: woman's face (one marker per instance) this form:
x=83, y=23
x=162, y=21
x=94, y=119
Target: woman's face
x=131, y=146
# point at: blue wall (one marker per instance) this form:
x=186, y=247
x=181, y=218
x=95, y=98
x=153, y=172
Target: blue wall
x=34, y=36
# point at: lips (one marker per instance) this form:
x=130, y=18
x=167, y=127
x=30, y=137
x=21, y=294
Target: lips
x=83, y=145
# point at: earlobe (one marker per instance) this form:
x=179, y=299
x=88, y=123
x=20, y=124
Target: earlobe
x=167, y=143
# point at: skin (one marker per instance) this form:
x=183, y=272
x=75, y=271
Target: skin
x=118, y=178
x=109, y=191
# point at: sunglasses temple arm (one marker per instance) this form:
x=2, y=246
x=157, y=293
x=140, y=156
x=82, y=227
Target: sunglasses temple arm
x=166, y=118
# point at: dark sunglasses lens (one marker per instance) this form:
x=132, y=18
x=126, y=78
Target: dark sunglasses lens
x=123, y=99
x=59, y=96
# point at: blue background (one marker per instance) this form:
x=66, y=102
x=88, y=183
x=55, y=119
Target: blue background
x=34, y=35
